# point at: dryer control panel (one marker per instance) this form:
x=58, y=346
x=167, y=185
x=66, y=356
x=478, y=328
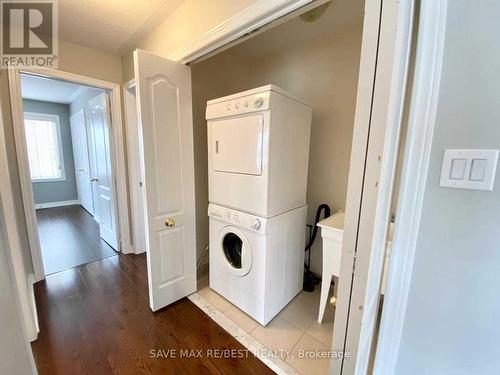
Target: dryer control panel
x=237, y=218
x=239, y=106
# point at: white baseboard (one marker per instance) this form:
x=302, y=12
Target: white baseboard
x=56, y=204
x=32, y=336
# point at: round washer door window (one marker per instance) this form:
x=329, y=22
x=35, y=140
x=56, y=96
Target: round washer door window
x=236, y=251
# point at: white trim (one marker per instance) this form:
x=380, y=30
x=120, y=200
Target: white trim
x=31, y=291
x=14, y=243
x=134, y=165
x=396, y=95
x=57, y=120
x=39, y=206
x=421, y=123
x=381, y=87
x=276, y=364
x=16, y=102
x=364, y=97
x=256, y=15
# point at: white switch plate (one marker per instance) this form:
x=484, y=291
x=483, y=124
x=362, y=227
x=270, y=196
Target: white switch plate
x=469, y=169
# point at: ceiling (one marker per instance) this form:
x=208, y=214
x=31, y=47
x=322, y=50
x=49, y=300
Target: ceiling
x=49, y=90
x=111, y=25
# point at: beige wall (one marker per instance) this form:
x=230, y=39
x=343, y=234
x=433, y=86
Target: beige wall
x=315, y=61
x=189, y=21
x=89, y=62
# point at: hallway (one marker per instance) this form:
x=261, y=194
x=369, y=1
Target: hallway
x=69, y=237
x=95, y=319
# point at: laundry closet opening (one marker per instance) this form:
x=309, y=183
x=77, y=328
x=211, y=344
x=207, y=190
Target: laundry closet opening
x=314, y=58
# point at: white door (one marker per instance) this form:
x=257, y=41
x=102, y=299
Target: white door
x=81, y=158
x=99, y=121
x=237, y=145
x=164, y=111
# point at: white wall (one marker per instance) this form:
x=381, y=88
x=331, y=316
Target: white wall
x=452, y=322
x=316, y=61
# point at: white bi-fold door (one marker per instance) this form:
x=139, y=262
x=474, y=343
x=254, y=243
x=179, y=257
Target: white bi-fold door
x=81, y=158
x=99, y=119
x=164, y=110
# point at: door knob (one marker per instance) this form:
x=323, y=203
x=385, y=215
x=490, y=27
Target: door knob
x=333, y=302
x=93, y=179
x=170, y=222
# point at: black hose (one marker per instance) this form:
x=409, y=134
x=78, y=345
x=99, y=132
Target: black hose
x=309, y=278
x=316, y=221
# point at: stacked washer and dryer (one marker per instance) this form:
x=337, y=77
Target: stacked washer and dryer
x=258, y=150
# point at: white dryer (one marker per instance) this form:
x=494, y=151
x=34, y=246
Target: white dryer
x=257, y=263
x=258, y=151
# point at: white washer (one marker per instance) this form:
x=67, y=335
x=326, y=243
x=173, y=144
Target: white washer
x=258, y=151
x=257, y=263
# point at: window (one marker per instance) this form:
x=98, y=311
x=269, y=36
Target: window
x=43, y=138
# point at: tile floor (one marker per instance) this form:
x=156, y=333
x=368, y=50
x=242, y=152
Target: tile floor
x=293, y=329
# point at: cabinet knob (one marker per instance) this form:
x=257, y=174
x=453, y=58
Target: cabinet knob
x=170, y=222
x=93, y=179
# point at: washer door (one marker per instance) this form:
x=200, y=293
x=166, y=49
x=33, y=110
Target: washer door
x=236, y=251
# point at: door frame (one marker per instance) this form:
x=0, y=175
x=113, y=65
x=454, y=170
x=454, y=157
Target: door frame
x=134, y=169
x=117, y=151
x=384, y=71
x=423, y=102
x=251, y=20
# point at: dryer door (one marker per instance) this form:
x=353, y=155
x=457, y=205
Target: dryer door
x=236, y=251
x=236, y=145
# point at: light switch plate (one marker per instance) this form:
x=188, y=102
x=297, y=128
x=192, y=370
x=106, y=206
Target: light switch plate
x=469, y=169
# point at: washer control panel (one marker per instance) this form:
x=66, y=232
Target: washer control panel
x=237, y=218
x=238, y=106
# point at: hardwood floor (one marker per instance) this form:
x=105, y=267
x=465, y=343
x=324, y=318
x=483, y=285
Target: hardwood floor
x=69, y=237
x=95, y=319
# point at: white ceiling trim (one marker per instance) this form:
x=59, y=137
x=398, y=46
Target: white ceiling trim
x=249, y=19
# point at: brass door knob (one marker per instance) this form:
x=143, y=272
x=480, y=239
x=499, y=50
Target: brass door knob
x=333, y=302
x=170, y=222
